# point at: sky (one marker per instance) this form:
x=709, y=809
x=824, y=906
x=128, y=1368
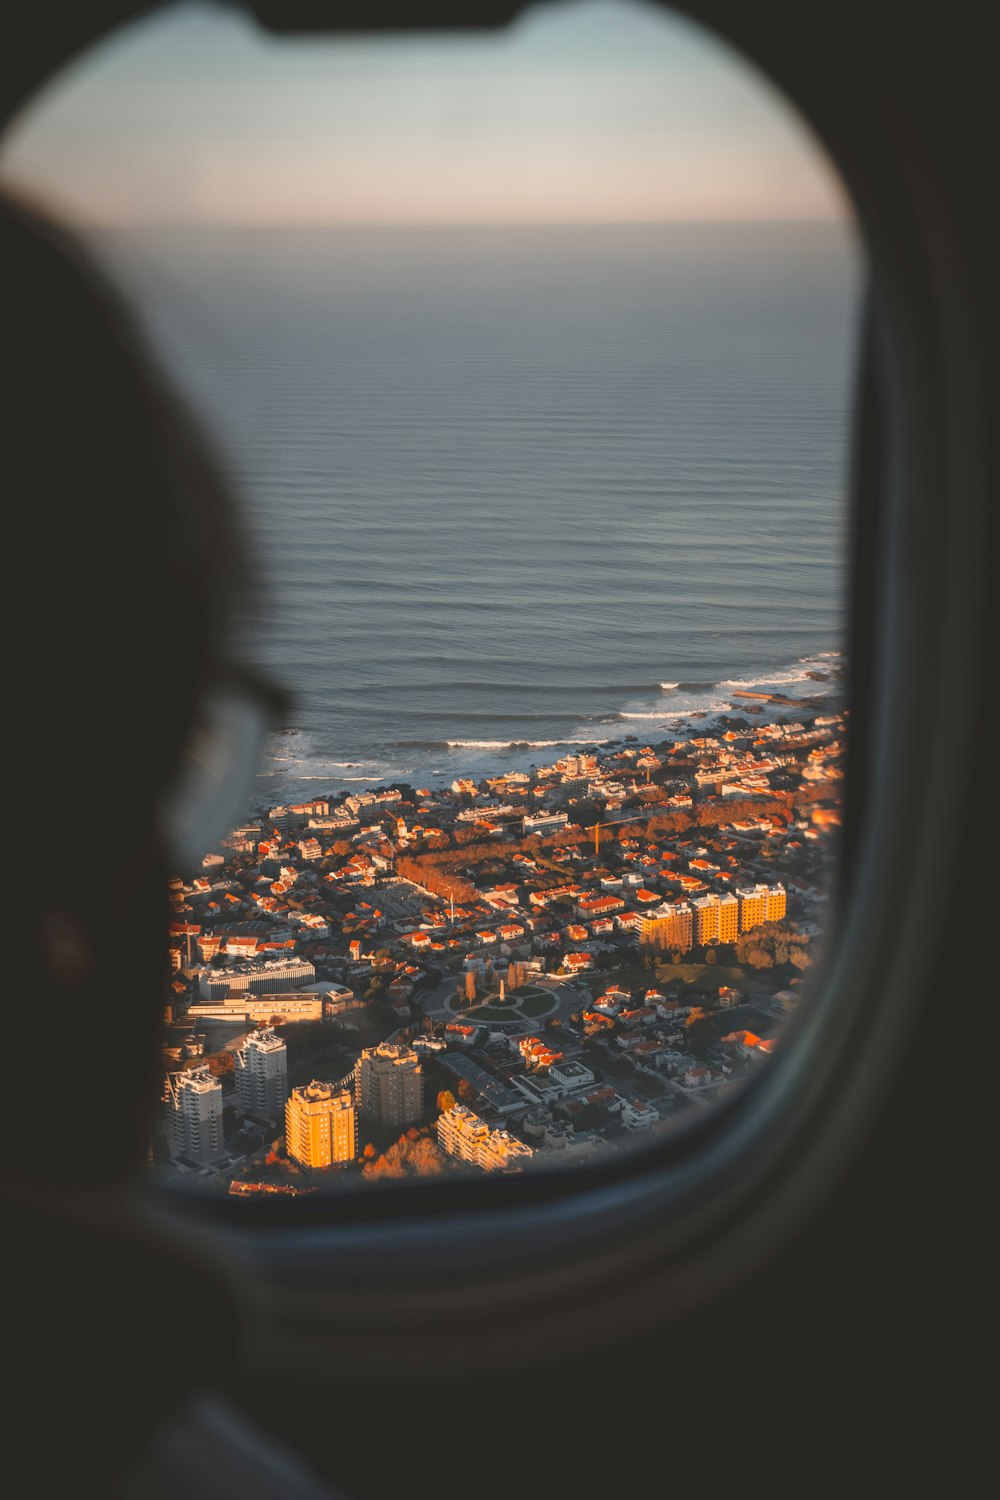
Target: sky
x=605, y=111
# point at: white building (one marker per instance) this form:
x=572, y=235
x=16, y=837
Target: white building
x=463, y=1134
x=262, y=1075
x=195, y=1102
x=269, y=976
x=540, y=822
x=637, y=1114
x=571, y=1075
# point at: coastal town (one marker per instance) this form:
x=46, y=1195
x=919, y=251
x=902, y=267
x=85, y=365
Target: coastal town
x=491, y=976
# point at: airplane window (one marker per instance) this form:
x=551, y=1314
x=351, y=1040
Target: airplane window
x=531, y=354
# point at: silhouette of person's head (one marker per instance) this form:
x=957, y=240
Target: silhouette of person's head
x=125, y=569
x=129, y=567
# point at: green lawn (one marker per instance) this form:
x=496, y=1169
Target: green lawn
x=525, y=1007
x=538, y=1004
x=701, y=976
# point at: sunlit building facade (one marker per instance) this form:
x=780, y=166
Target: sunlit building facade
x=761, y=903
x=320, y=1125
x=670, y=927
x=462, y=1134
x=388, y=1084
x=716, y=919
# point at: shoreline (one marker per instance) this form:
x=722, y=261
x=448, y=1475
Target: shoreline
x=436, y=762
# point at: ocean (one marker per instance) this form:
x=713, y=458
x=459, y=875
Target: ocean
x=518, y=490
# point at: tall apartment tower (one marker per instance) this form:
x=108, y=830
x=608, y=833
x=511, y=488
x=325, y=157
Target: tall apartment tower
x=388, y=1084
x=320, y=1125
x=195, y=1103
x=669, y=926
x=262, y=1075
x=716, y=919
x=777, y=903
x=761, y=903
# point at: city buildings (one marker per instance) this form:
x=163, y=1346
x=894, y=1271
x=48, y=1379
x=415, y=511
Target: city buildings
x=320, y=1125
x=388, y=1085
x=269, y=976
x=716, y=919
x=761, y=903
x=391, y=931
x=195, y=1105
x=258, y=1010
x=462, y=1134
x=670, y=926
x=261, y=1067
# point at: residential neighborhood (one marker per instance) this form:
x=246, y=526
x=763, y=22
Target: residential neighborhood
x=557, y=962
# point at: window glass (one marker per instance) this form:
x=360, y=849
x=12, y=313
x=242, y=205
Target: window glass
x=531, y=356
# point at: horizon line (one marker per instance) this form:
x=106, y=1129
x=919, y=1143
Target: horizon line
x=845, y=221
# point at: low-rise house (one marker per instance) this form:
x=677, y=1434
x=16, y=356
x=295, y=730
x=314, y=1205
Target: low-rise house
x=638, y=1114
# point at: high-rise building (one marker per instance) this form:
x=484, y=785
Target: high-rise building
x=388, y=1084
x=706, y=919
x=716, y=919
x=320, y=1125
x=729, y=918
x=777, y=903
x=261, y=1066
x=761, y=903
x=668, y=927
x=195, y=1102
x=462, y=1133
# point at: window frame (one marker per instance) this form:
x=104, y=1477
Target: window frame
x=593, y=1248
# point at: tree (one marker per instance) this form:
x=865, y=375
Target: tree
x=445, y=1100
x=465, y=1090
x=700, y=1030
x=383, y=1166
x=426, y=1158
x=414, y=1153
x=470, y=985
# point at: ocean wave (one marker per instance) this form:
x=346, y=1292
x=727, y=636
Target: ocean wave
x=512, y=744
x=430, y=760
x=516, y=744
x=764, y=681
x=796, y=671
x=662, y=713
x=675, y=714
x=530, y=689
